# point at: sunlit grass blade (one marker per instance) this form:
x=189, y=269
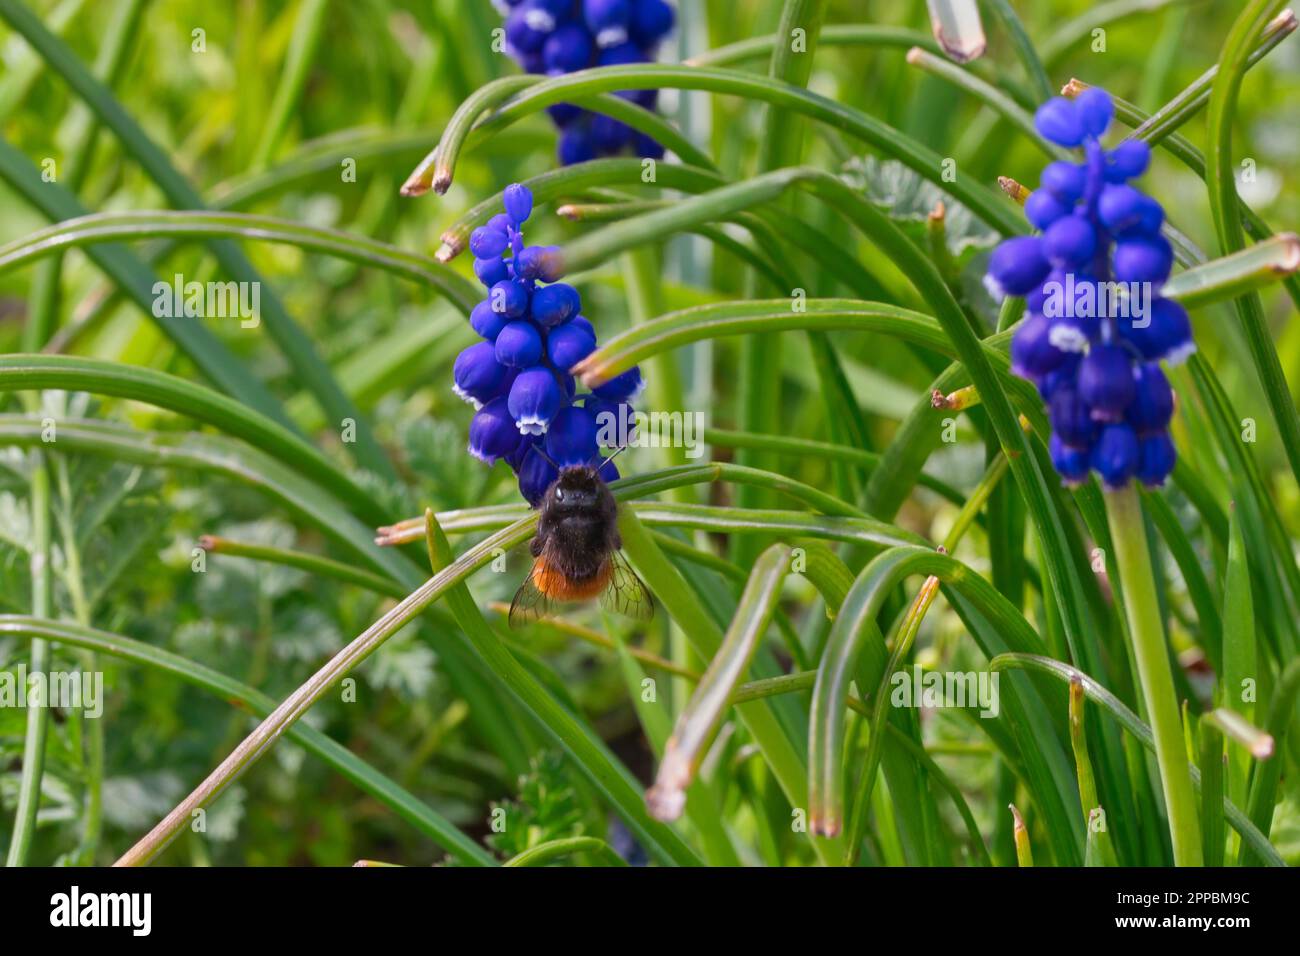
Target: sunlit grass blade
x=297, y=347
x=136, y=280
x=699, y=719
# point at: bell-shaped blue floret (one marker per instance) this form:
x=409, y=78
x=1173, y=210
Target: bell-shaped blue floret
x=1143, y=259
x=477, y=375
x=1153, y=399
x=569, y=344
x=1106, y=381
x=1115, y=455
x=519, y=345
x=536, y=474
x=492, y=432
x=1032, y=353
x=535, y=397
x=1060, y=122
x=555, y=304
x=571, y=439
x=518, y=201
x=1156, y=458
x=621, y=388
x=1070, y=463
x=1016, y=266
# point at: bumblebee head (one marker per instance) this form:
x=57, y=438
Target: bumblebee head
x=578, y=486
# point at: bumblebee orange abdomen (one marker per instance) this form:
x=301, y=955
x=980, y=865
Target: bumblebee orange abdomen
x=558, y=586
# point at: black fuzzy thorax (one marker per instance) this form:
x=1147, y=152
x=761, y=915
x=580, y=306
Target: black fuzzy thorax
x=578, y=524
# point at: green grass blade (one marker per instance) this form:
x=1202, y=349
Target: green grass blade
x=414, y=811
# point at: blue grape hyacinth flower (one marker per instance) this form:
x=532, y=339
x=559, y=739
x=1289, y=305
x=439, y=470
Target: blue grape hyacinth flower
x=1096, y=328
x=555, y=37
x=528, y=412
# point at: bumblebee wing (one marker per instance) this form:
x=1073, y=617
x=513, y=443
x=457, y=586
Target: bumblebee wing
x=626, y=593
x=530, y=604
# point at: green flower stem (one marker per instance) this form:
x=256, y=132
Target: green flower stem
x=1141, y=607
x=38, y=713
x=81, y=609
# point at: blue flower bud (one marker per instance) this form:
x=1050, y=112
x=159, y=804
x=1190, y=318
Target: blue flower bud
x=647, y=147
x=510, y=298
x=609, y=135
x=1156, y=457
x=1032, y=353
x=1061, y=376
x=569, y=344
x=486, y=242
x=486, y=321
x=651, y=22
x=540, y=262
x=568, y=49
x=1070, y=463
x=1153, y=399
x=1071, y=418
x=527, y=27
x=575, y=146
x=571, y=439
x=564, y=113
x=1059, y=121
x=1070, y=242
x=536, y=474
x=477, y=375
x=1065, y=181
x=1016, y=266
x=1125, y=210
x=608, y=20
x=526, y=444
x=1106, y=381
x=535, y=397
x=1143, y=259
x=555, y=303
x=492, y=432
x=491, y=271
x=621, y=388
x=1164, y=333
x=582, y=322
x=608, y=472
x=1095, y=110
x=519, y=345
x=621, y=55
x=1127, y=161
x=502, y=224
x=518, y=202
x=1115, y=455
x=1042, y=208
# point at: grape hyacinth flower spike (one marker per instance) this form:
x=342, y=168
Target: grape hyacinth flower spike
x=1095, y=328
x=528, y=412
x=554, y=37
